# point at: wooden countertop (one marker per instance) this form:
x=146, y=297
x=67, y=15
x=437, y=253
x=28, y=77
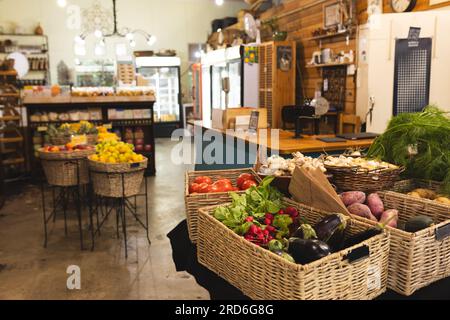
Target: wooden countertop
x=287, y=143
x=29, y=99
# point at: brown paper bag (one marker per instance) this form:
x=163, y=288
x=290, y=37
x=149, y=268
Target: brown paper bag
x=311, y=187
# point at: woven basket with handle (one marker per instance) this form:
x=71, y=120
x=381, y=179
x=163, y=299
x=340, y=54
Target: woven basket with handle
x=66, y=169
x=357, y=178
x=118, y=179
x=195, y=201
x=263, y=275
x=417, y=259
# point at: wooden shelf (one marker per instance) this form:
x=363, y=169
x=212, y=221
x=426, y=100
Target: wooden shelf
x=329, y=36
x=328, y=65
x=9, y=95
x=13, y=161
x=10, y=118
x=22, y=35
x=11, y=140
x=8, y=151
x=8, y=73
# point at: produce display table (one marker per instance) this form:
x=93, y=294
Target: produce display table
x=60, y=104
x=309, y=145
x=185, y=259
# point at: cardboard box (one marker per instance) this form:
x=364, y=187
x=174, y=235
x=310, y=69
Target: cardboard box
x=226, y=119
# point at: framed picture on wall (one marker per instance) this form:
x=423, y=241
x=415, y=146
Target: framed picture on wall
x=332, y=15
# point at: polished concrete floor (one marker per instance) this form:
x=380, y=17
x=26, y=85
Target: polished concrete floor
x=28, y=271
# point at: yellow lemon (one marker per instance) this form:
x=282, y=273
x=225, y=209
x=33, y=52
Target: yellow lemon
x=95, y=157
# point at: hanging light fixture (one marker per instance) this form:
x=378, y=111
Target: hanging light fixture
x=127, y=34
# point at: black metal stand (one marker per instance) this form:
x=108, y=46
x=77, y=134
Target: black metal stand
x=101, y=207
x=61, y=198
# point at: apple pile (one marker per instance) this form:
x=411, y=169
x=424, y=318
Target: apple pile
x=205, y=184
x=69, y=147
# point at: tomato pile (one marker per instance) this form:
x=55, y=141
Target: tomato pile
x=205, y=184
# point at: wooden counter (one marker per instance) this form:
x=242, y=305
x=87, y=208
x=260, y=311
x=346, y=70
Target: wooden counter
x=287, y=143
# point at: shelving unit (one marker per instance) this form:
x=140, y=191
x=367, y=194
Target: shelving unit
x=12, y=142
x=33, y=47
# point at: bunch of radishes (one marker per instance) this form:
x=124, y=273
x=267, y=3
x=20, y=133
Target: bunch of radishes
x=370, y=207
x=262, y=233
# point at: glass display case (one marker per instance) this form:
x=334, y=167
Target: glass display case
x=95, y=73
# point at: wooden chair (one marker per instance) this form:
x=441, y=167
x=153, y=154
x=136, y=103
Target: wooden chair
x=349, y=119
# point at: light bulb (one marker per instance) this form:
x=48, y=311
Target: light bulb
x=98, y=33
x=219, y=2
x=132, y=43
x=151, y=40
x=61, y=3
x=197, y=54
x=130, y=36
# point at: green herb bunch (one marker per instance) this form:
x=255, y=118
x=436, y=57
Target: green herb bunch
x=420, y=142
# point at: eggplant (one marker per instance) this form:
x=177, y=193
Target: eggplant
x=418, y=223
x=360, y=237
x=285, y=255
x=305, y=231
x=331, y=230
x=306, y=251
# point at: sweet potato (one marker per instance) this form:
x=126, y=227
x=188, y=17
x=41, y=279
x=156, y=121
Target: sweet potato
x=361, y=210
x=351, y=197
x=390, y=217
x=375, y=205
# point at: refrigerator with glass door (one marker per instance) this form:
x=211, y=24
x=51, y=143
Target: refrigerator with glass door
x=163, y=74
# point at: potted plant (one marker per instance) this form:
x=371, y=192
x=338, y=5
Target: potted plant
x=277, y=35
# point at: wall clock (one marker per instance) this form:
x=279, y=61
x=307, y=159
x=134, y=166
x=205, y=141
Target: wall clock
x=403, y=5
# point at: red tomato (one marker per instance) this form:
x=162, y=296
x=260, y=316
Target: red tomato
x=203, y=179
x=203, y=188
x=224, y=185
x=193, y=188
x=244, y=177
x=247, y=184
x=214, y=188
x=236, y=189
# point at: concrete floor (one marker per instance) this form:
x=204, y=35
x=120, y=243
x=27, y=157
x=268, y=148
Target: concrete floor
x=28, y=271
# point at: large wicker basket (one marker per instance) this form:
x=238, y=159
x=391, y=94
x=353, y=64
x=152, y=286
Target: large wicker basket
x=66, y=169
x=117, y=180
x=357, y=178
x=195, y=201
x=417, y=259
x=405, y=186
x=261, y=274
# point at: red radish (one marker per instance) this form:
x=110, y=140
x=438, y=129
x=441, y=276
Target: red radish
x=203, y=179
x=269, y=216
x=249, y=219
x=267, y=221
x=291, y=211
x=281, y=211
x=253, y=229
x=244, y=177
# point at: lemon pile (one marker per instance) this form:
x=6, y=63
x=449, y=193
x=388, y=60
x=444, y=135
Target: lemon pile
x=105, y=136
x=116, y=152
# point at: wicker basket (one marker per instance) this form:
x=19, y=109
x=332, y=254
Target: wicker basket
x=66, y=169
x=261, y=274
x=63, y=140
x=195, y=201
x=416, y=259
x=59, y=140
x=356, y=178
x=117, y=180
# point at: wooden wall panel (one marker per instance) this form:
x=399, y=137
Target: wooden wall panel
x=300, y=25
